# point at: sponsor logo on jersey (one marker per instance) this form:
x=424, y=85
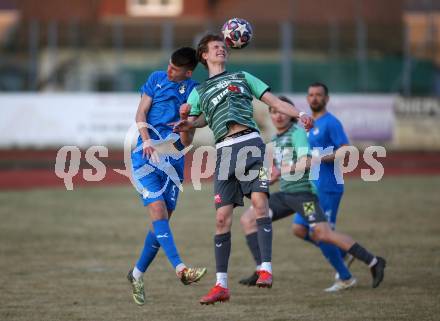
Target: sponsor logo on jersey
x=182, y=88
x=219, y=97
x=234, y=88
x=223, y=84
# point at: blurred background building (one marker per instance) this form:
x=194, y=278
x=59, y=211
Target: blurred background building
x=357, y=46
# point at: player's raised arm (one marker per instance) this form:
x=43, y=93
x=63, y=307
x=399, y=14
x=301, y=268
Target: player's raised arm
x=275, y=175
x=187, y=128
x=187, y=136
x=286, y=108
x=184, y=111
x=191, y=117
x=141, y=120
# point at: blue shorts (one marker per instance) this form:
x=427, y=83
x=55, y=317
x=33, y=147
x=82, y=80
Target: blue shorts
x=329, y=202
x=157, y=181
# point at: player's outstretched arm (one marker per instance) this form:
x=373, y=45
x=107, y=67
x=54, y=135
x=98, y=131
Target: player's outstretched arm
x=283, y=107
x=187, y=127
x=200, y=121
x=186, y=136
x=141, y=121
x=189, y=124
x=275, y=175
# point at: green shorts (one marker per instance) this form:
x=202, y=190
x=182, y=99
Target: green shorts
x=306, y=204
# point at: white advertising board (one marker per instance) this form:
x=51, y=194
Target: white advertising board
x=53, y=120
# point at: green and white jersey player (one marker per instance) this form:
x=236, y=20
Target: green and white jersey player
x=224, y=103
x=298, y=194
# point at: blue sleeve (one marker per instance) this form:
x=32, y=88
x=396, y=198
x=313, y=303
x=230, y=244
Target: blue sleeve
x=337, y=134
x=150, y=85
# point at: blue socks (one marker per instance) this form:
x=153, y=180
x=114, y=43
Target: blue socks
x=333, y=255
x=151, y=247
x=166, y=241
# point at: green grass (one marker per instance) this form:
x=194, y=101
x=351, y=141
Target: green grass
x=64, y=256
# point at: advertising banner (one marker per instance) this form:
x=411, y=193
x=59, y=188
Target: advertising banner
x=53, y=120
x=364, y=117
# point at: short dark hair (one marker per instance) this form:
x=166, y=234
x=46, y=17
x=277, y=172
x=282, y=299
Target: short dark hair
x=320, y=84
x=202, y=47
x=185, y=57
x=287, y=100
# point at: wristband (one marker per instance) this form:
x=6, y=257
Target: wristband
x=315, y=153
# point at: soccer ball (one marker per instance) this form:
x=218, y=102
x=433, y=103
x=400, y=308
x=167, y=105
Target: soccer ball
x=237, y=33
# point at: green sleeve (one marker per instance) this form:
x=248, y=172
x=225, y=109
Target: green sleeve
x=300, y=143
x=194, y=101
x=257, y=86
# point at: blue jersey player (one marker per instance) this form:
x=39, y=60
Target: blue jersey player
x=325, y=138
x=156, y=173
x=328, y=136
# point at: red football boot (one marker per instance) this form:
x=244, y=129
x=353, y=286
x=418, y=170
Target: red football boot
x=216, y=294
x=264, y=279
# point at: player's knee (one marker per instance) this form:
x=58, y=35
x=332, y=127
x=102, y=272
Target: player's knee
x=321, y=234
x=222, y=220
x=158, y=210
x=260, y=210
x=259, y=205
x=299, y=231
x=247, y=220
x=313, y=237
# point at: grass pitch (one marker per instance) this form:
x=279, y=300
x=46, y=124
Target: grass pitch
x=64, y=256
